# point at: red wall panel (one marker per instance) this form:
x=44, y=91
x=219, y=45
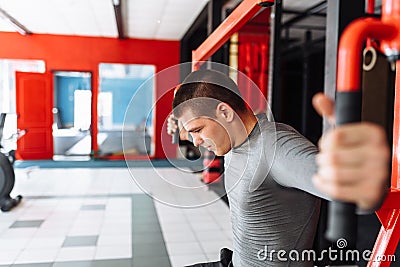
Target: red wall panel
x=253, y=55
x=85, y=53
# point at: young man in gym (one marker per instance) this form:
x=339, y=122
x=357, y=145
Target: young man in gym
x=273, y=175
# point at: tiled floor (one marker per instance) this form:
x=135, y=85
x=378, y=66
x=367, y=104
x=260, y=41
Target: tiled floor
x=101, y=217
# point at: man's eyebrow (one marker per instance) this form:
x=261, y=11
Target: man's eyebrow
x=193, y=129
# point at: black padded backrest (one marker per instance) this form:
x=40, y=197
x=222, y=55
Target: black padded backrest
x=2, y=121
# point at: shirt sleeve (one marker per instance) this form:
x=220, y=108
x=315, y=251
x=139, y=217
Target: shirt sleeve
x=294, y=160
x=294, y=163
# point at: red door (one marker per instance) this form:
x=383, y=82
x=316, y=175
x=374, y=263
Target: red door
x=34, y=109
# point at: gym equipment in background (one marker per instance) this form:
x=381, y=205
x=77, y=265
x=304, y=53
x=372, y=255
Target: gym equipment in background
x=7, y=175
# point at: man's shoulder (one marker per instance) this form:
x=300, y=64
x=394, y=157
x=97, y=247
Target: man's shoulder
x=267, y=125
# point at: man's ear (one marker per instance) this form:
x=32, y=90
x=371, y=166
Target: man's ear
x=225, y=112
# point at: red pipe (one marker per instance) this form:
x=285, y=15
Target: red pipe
x=351, y=43
x=396, y=132
x=383, y=252
x=239, y=17
x=391, y=16
x=387, y=31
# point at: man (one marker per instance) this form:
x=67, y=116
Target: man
x=273, y=175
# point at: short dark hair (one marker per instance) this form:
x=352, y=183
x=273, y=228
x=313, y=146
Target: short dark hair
x=210, y=88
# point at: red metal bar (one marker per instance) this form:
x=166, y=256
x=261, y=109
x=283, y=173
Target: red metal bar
x=386, y=243
x=392, y=200
x=242, y=13
x=391, y=16
x=396, y=132
x=351, y=43
x=389, y=214
x=248, y=71
x=263, y=78
x=94, y=120
x=387, y=31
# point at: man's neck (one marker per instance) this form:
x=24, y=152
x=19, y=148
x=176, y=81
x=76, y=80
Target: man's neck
x=248, y=121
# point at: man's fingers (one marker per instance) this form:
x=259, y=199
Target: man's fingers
x=324, y=107
x=353, y=135
x=171, y=125
x=366, y=194
x=348, y=174
x=344, y=157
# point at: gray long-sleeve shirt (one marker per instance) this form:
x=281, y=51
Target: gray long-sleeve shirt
x=273, y=202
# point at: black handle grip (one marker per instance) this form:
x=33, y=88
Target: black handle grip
x=175, y=136
x=342, y=219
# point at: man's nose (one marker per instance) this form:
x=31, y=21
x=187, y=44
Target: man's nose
x=197, y=141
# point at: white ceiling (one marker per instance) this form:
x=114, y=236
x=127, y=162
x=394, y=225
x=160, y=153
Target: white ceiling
x=156, y=19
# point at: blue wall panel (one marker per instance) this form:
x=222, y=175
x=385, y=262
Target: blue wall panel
x=64, y=95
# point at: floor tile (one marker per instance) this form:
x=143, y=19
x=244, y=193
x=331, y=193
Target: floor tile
x=48, y=264
x=80, y=241
x=85, y=229
x=149, y=250
x=173, y=237
x=184, y=248
x=113, y=252
x=19, y=233
x=36, y=255
x=183, y=260
x=76, y=254
x=98, y=263
x=72, y=214
x=93, y=207
x=147, y=238
x=27, y=224
x=114, y=240
x=8, y=256
x=213, y=235
x=154, y=261
x=14, y=243
x=215, y=246
x=49, y=242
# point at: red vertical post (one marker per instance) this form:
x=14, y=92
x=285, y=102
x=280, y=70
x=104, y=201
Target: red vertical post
x=348, y=81
x=389, y=214
x=94, y=123
x=396, y=132
x=263, y=78
x=388, y=238
x=248, y=72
